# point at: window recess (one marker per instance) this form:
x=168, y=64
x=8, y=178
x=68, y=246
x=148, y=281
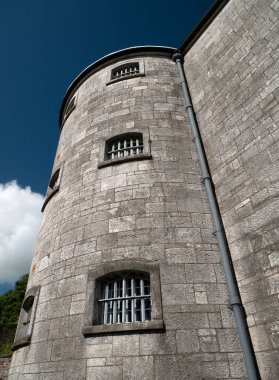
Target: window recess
x=123, y=296
x=125, y=147
x=53, y=186
x=69, y=109
x=26, y=318
x=127, y=70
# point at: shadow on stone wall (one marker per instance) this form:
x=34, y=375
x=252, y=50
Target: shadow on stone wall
x=7, y=333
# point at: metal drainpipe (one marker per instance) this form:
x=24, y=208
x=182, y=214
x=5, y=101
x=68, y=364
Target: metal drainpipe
x=234, y=295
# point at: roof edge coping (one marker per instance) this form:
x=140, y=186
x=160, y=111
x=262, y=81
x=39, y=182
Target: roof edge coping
x=163, y=51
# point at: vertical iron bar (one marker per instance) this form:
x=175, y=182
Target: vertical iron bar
x=125, y=148
x=132, y=300
x=142, y=304
x=119, y=146
x=123, y=301
x=114, y=302
x=112, y=151
x=106, y=306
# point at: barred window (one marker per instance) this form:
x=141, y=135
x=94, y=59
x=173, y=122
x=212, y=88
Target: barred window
x=123, y=296
x=125, y=70
x=53, y=186
x=124, y=146
x=126, y=298
x=130, y=69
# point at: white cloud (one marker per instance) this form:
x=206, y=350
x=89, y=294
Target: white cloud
x=20, y=218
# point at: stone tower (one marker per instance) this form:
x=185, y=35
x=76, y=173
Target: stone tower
x=126, y=281
x=126, y=216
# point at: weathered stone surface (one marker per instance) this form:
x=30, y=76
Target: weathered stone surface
x=187, y=341
x=157, y=210
x=126, y=345
x=104, y=373
x=232, y=73
x=140, y=367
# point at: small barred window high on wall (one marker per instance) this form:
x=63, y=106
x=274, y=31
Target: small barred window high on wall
x=125, y=146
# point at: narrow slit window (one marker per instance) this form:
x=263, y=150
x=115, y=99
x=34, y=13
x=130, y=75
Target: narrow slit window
x=53, y=186
x=27, y=306
x=26, y=318
x=54, y=180
x=70, y=107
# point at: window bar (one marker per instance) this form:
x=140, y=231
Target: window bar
x=123, y=301
x=112, y=150
x=119, y=309
x=131, y=147
x=115, y=302
x=133, y=300
x=119, y=147
x=106, y=305
x=142, y=300
x=137, y=145
x=125, y=148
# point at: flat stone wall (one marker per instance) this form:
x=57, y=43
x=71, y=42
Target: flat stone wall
x=232, y=72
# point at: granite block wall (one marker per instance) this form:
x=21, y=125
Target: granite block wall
x=233, y=77
x=5, y=361
x=150, y=210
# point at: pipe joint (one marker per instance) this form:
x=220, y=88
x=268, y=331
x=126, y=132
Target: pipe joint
x=215, y=233
x=177, y=57
x=235, y=300
x=188, y=106
x=205, y=178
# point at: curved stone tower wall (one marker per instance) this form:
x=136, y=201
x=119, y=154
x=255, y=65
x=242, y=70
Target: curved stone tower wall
x=152, y=210
x=232, y=72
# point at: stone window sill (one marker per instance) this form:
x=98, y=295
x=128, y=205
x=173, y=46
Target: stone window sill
x=121, y=160
x=49, y=196
x=123, y=327
x=21, y=343
x=125, y=78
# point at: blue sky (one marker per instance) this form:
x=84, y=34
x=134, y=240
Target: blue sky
x=45, y=44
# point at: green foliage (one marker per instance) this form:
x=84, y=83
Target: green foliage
x=10, y=302
x=5, y=348
x=10, y=305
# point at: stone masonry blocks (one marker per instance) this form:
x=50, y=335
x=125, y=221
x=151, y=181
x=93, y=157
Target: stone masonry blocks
x=148, y=210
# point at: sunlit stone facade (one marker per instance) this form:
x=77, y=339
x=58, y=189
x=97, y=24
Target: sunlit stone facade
x=126, y=280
